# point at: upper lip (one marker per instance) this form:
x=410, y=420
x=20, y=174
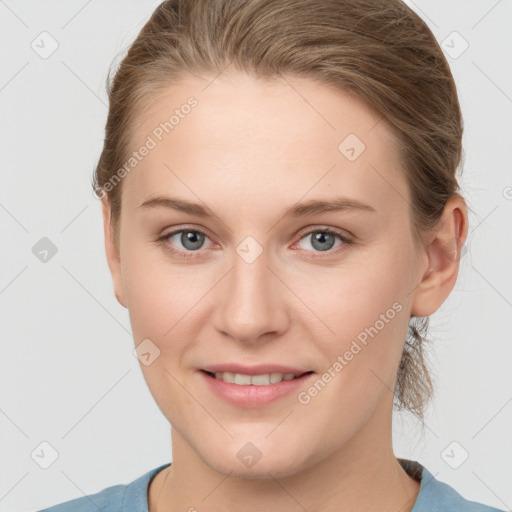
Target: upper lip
x=259, y=369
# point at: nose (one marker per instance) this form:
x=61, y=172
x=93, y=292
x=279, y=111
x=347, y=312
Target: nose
x=250, y=303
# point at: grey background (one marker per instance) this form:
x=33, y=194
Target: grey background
x=68, y=374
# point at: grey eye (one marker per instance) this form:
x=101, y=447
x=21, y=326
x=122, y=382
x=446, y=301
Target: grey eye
x=192, y=240
x=189, y=239
x=322, y=240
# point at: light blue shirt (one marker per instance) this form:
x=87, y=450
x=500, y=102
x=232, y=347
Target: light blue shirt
x=434, y=496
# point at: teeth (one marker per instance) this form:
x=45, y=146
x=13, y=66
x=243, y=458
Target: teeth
x=256, y=380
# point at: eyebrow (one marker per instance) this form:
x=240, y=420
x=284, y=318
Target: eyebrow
x=311, y=207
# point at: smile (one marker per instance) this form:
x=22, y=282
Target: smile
x=254, y=391
x=256, y=380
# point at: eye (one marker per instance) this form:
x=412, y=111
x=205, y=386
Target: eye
x=191, y=240
x=324, y=240
x=186, y=242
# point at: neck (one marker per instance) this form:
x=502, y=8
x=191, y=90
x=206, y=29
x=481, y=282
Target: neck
x=361, y=475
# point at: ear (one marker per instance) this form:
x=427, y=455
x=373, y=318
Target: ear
x=443, y=251
x=112, y=253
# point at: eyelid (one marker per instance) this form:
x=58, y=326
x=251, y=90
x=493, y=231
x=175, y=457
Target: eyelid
x=179, y=229
x=325, y=229
x=347, y=239
x=186, y=254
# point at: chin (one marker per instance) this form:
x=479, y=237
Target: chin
x=250, y=463
x=268, y=470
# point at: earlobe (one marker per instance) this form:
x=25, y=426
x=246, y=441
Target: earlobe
x=112, y=253
x=443, y=255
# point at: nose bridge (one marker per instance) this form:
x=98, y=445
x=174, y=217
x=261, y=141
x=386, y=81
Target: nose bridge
x=249, y=305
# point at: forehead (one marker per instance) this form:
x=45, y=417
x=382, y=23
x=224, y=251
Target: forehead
x=241, y=134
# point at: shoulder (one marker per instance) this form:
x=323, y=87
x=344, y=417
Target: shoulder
x=110, y=498
x=116, y=498
x=437, y=496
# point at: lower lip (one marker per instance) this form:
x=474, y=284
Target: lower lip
x=251, y=396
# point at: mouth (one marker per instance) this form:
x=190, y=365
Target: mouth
x=264, y=379
x=257, y=389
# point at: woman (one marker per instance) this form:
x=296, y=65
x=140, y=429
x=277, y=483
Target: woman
x=281, y=216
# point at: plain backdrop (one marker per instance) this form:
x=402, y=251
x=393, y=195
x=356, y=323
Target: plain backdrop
x=69, y=378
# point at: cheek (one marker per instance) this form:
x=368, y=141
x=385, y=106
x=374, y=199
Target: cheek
x=161, y=310
x=366, y=308
x=165, y=308
x=343, y=301
x=158, y=293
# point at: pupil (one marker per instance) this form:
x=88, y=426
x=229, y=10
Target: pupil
x=321, y=237
x=191, y=237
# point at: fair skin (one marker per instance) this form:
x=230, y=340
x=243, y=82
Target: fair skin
x=248, y=151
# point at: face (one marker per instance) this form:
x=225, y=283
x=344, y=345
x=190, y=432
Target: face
x=260, y=279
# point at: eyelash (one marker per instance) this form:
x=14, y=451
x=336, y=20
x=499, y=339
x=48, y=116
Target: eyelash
x=195, y=254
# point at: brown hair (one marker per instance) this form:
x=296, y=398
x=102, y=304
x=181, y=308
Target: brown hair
x=379, y=50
